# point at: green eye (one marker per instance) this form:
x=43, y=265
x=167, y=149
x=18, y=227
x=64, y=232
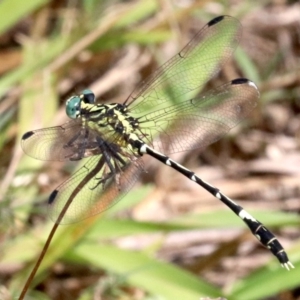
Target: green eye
x=88, y=96
x=73, y=107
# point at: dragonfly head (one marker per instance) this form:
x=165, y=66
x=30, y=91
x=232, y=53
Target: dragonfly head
x=73, y=104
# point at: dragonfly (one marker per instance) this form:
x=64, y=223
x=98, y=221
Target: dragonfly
x=113, y=138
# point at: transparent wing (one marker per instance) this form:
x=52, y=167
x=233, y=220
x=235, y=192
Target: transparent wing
x=70, y=141
x=198, y=122
x=92, y=189
x=191, y=68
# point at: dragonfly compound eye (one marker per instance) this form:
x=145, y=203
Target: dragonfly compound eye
x=73, y=107
x=88, y=96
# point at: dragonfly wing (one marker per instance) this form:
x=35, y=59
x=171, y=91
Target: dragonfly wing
x=70, y=141
x=198, y=122
x=191, y=68
x=92, y=189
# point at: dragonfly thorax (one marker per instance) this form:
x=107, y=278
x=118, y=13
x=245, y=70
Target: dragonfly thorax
x=109, y=120
x=114, y=118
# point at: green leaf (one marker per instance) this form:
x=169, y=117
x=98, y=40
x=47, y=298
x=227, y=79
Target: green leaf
x=12, y=11
x=156, y=277
x=269, y=280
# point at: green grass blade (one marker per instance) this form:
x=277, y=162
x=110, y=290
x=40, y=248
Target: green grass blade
x=12, y=11
x=158, y=278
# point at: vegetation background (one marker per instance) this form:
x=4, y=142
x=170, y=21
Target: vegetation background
x=168, y=238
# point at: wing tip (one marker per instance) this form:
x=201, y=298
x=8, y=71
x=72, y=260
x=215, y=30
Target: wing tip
x=52, y=197
x=243, y=81
x=215, y=21
x=27, y=135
